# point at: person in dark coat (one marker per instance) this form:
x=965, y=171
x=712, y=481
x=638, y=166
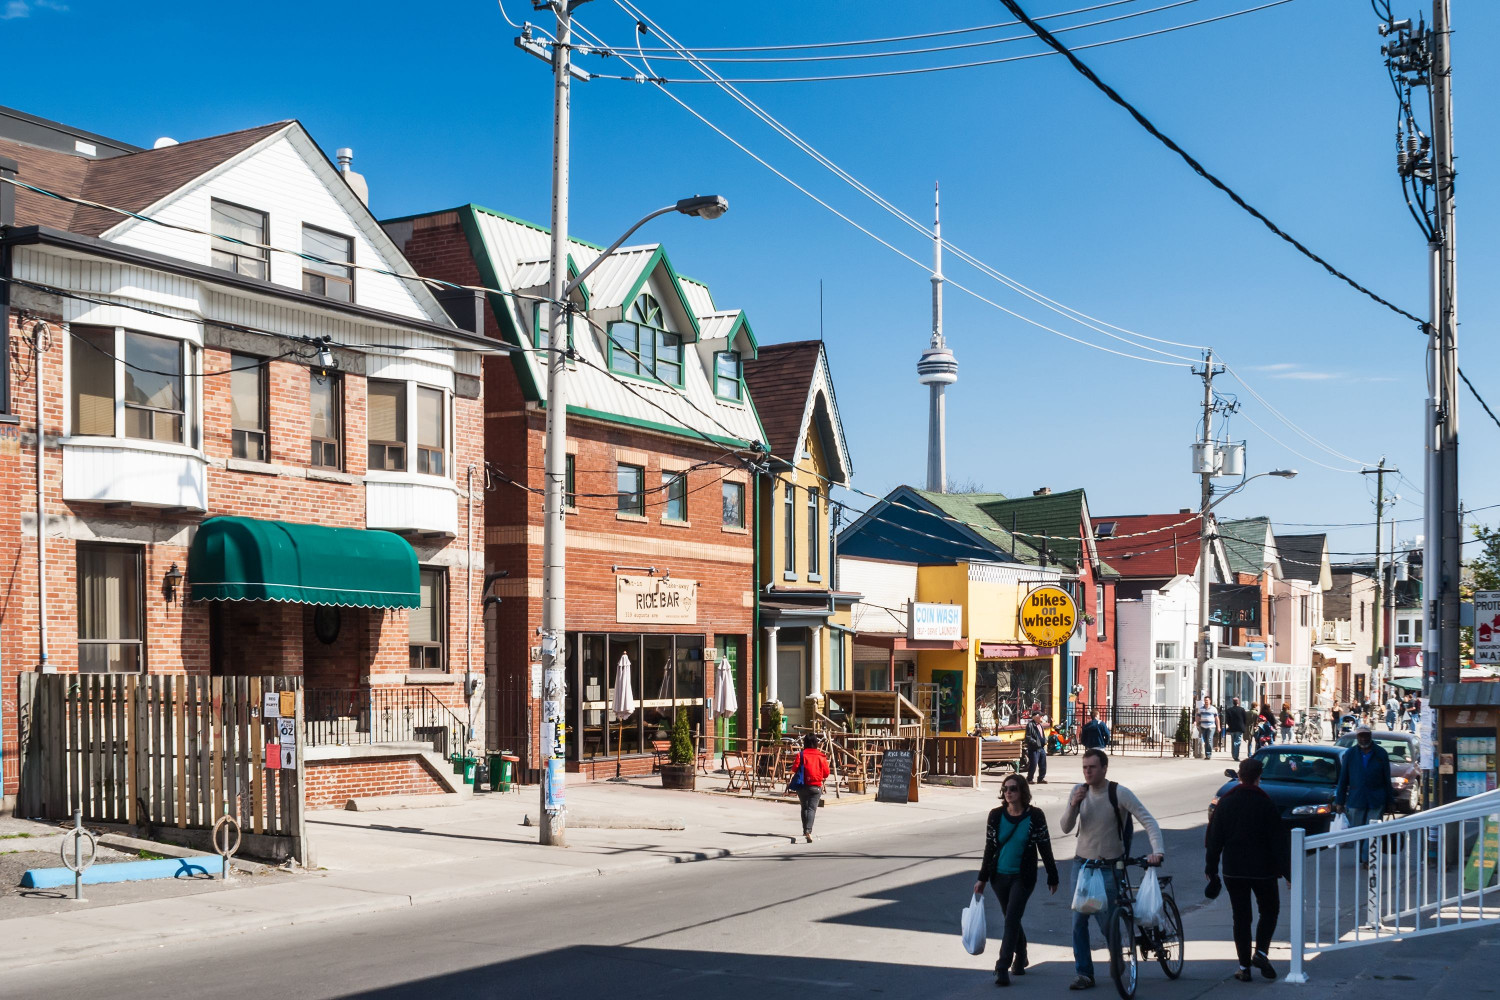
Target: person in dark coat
x=1246, y=837
x=1095, y=734
x=1234, y=726
x=1014, y=836
x=1364, y=789
x=1035, y=742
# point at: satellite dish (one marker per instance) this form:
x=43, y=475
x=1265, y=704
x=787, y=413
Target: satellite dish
x=164, y=142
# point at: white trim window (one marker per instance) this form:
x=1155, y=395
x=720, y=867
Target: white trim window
x=814, y=535
x=399, y=413
x=127, y=384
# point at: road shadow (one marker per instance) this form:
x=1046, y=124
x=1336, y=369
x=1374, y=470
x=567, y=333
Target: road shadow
x=669, y=973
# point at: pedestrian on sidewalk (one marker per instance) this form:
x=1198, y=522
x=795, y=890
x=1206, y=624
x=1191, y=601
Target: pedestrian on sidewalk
x=1095, y=734
x=1104, y=813
x=1364, y=789
x=814, y=767
x=1288, y=723
x=1014, y=836
x=1392, y=706
x=1208, y=721
x=1234, y=725
x=1245, y=835
x=1035, y=742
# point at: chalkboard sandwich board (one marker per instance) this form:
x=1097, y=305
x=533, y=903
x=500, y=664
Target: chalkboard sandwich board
x=895, y=776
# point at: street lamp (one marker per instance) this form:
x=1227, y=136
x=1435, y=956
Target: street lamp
x=1204, y=538
x=702, y=206
x=552, y=814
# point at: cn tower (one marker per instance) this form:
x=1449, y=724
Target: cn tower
x=937, y=368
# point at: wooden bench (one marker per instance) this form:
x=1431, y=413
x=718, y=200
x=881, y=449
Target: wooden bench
x=994, y=753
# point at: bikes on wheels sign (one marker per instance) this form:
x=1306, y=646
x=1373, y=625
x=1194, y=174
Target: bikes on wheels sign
x=1048, y=616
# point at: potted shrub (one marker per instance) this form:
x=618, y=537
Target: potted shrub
x=1182, y=740
x=679, y=772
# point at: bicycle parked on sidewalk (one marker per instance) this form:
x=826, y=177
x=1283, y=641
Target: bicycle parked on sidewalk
x=1125, y=936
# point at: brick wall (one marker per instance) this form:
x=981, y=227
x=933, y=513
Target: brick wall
x=258, y=637
x=331, y=783
x=720, y=559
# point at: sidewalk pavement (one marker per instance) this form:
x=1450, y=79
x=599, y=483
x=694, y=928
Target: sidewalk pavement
x=387, y=860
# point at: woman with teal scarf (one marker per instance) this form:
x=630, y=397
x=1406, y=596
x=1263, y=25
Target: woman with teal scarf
x=1015, y=835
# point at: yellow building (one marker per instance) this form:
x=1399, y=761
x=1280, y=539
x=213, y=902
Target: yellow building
x=913, y=557
x=801, y=648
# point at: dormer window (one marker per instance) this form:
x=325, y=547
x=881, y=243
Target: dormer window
x=729, y=382
x=641, y=345
x=331, y=280
x=246, y=225
x=541, y=328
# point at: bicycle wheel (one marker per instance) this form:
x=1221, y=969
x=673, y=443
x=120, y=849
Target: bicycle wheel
x=1169, y=939
x=1122, y=953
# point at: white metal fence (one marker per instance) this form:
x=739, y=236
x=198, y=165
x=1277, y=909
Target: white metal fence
x=1422, y=874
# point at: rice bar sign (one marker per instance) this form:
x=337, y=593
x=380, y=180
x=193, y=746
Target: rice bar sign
x=652, y=601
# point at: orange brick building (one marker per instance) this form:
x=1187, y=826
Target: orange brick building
x=661, y=499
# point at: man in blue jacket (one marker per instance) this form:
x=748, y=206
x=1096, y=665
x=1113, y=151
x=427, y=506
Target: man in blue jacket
x=1095, y=734
x=1364, y=789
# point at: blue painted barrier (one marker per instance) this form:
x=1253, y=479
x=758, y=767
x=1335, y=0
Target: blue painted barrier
x=197, y=866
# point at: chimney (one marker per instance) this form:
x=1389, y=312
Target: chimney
x=356, y=181
x=1045, y=491
x=1184, y=510
x=8, y=170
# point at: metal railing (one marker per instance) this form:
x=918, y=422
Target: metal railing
x=353, y=716
x=1148, y=730
x=1423, y=874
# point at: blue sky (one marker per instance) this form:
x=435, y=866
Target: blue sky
x=1043, y=179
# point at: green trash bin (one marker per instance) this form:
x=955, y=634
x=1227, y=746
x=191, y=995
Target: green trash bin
x=457, y=759
x=507, y=769
x=495, y=765
x=468, y=769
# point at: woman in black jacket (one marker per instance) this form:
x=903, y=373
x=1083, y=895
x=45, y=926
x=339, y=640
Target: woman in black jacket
x=1246, y=832
x=1014, y=836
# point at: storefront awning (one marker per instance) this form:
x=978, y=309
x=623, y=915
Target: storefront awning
x=245, y=559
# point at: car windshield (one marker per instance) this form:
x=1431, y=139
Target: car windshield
x=1299, y=767
x=1395, y=749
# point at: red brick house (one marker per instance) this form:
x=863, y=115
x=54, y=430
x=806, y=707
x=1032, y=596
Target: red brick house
x=660, y=425
x=252, y=463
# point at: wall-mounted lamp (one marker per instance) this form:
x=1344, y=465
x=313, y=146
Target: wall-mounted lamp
x=171, y=582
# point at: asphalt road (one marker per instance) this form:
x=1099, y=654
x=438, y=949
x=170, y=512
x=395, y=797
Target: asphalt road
x=849, y=916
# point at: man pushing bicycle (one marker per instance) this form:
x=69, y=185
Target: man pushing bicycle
x=1104, y=813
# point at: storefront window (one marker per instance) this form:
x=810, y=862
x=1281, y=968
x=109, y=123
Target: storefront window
x=1005, y=689
x=666, y=676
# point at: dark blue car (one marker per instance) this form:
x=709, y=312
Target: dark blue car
x=1300, y=778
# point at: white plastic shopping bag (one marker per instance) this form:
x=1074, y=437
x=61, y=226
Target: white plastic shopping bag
x=1339, y=825
x=973, y=926
x=1148, y=905
x=1088, y=893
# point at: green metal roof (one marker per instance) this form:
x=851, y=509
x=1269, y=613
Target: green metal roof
x=969, y=508
x=1245, y=544
x=1057, y=515
x=246, y=559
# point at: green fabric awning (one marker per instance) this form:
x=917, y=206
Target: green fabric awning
x=245, y=559
x=1407, y=683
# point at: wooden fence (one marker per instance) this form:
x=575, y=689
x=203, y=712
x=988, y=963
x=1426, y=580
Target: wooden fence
x=952, y=757
x=165, y=752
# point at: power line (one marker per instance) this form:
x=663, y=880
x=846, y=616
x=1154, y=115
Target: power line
x=671, y=56
x=1046, y=36
x=829, y=78
x=1479, y=397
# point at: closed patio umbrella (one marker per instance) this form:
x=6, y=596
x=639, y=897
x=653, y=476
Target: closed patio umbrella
x=622, y=706
x=725, y=702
